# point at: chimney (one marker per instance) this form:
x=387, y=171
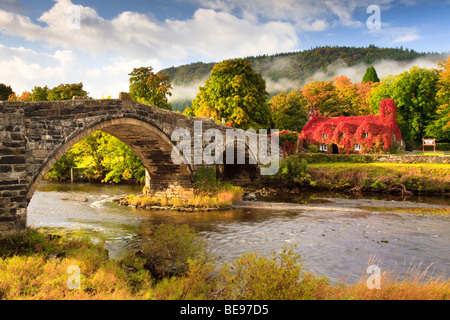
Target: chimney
x=313, y=112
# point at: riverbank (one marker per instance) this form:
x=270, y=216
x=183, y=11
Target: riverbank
x=364, y=173
x=35, y=266
x=381, y=177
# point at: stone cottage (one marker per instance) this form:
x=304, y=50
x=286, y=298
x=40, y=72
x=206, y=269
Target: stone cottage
x=358, y=134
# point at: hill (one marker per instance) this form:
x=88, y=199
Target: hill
x=286, y=71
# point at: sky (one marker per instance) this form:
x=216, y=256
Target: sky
x=99, y=42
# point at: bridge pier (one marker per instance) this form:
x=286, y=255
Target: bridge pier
x=13, y=170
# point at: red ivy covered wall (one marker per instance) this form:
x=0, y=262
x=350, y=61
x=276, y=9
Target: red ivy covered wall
x=375, y=133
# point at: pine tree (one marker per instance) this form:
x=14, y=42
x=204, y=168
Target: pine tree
x=371, y=75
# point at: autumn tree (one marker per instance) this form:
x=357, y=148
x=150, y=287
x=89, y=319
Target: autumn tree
x=39, y=93
x=322, y=95
x=25, y=96
x=439, y=127
x=338, y=97
x=150, y=88
x=66, y=92
x=234, y=92
x=5, y=91
x=289, y=111
x=370, y=75
x=414, y=93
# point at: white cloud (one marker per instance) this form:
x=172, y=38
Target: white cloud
x=308, y=15
x=208, y=34
x=102, y=52
x=396, y=35
x=23, y=69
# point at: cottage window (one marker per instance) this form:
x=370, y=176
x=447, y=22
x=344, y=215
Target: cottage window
x=357, y=147
x=323, y=147
x=365, y=135
x=324, y=135
x=341, y=135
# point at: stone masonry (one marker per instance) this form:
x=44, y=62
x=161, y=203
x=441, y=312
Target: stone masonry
x=34, y=135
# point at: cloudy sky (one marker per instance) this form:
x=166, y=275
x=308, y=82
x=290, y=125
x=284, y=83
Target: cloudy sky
x=99, y=42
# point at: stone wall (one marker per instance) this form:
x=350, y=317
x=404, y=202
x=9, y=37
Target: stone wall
x=13, y=173
x=368, y=158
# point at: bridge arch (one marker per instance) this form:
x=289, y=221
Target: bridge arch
x=236, y=172
x=149, y=142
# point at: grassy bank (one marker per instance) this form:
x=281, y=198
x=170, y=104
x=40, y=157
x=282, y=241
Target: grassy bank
x=381, y=177
x=177, y=265
x=296, y=171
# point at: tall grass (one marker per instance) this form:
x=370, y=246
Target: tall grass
x=221, y=196
x=176, y=265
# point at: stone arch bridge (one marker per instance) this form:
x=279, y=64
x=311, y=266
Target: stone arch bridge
x=34, y=135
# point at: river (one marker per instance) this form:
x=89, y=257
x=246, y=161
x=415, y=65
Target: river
x=334, y=239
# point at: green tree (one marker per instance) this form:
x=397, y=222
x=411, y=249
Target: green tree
x=100, y=157
x=39, y=93
x=150, y=88
x=5, y=91
x=414, y=93
x=289, y=111
x=439, y=128
x=66, y=92
x=370, y=75
x=234, y=92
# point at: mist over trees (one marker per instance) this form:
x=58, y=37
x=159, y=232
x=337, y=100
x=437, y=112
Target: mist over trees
x=298, y=65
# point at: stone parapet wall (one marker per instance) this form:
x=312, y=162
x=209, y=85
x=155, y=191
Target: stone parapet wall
x=368, y=158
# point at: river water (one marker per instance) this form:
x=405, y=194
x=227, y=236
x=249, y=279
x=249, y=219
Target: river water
x=332, y=241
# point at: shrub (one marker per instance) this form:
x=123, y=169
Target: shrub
x=171, y=248
x=313, y=148
x=293, y=170
x=205, y=178
x=255, y=277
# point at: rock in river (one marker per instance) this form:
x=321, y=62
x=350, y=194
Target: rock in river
x=76, y=197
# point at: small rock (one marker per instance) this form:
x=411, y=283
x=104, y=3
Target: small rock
x=76, y=197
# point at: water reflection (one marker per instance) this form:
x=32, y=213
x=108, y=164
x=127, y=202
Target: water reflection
x=337, y=244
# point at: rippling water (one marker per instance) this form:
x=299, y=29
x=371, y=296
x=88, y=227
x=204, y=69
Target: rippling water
x=336, y=244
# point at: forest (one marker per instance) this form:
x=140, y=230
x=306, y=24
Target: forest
x=298, y=65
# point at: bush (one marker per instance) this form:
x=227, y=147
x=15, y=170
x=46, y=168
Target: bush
x=255, y=277
x=171, y=248
x=205, y=178
x=293, y=170
x=313, y=148
x=443, y=146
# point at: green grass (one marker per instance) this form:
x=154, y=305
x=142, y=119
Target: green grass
x=419, y=177
x=430, y=154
